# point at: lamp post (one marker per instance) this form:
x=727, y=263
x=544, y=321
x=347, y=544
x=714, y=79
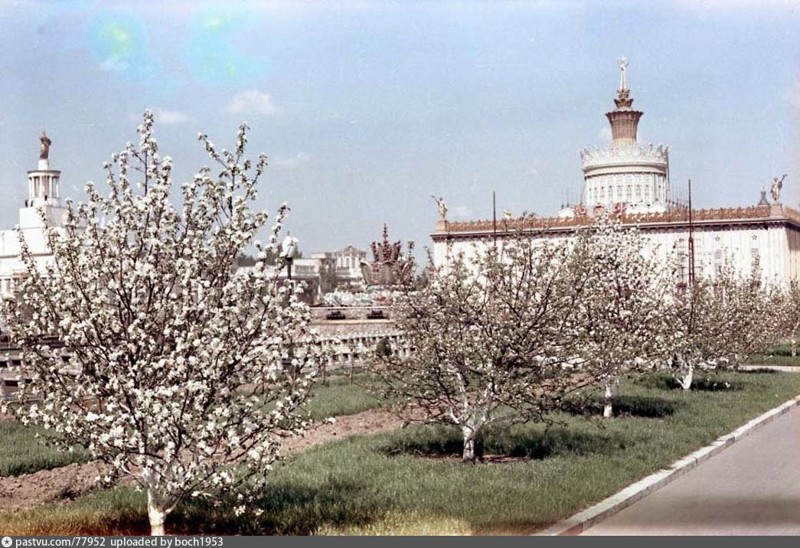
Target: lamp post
x=288, y=251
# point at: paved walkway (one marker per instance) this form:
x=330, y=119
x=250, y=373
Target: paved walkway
x=781, y=368
x=750, y=488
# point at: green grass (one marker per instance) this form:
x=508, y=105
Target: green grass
x=342, y=397
x=780, y=354
x=774, y=359
x=22, y=453
x=402, y=483
x=117, y=511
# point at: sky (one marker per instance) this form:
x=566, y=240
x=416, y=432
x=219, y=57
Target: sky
x=367, y=108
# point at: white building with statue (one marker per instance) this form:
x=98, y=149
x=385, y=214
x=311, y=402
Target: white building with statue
x=631, y=180
x=43, y=194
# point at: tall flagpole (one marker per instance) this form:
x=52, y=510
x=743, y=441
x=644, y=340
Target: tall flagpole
x=494, y=218
x=691, y=238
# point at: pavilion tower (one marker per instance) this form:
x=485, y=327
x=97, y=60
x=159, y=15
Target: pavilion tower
x=624, y=119
x=625, y=176
x=43, y=191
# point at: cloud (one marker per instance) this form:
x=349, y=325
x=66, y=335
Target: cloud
x=290, y=162
x=252, y=100
x=605, y=134
x=114, y=64
x=532, y=172
x=165, y=117
x=460, y=212
x=170, y=117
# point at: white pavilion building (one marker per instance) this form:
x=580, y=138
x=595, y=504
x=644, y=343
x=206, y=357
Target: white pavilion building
x=632, y=181
x=625, y=173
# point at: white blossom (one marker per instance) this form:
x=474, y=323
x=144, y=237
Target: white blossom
x=172, y=352
x=721, y=321
x=519, y=328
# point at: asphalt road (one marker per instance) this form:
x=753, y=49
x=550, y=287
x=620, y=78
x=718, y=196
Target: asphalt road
x=750, y=488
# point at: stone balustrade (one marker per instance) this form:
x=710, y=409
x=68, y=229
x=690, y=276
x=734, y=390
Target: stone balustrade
x=349, y=349
x=352, y=349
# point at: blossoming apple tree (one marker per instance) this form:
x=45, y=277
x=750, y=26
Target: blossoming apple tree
x=790, y=314
x=505, y=335
x=720, y=321
x=621, y=325
x=174, y=372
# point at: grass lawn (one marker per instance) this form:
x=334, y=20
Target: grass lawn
x=774, y=359
x=21, y=453
x=781, y=354
x=405, y=482
x=341, y=396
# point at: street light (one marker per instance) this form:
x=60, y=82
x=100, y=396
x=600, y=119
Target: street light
x=288, y=251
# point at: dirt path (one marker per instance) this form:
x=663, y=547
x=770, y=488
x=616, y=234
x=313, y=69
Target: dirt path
x=68, y=482
x=59, y=484
x=370, y=421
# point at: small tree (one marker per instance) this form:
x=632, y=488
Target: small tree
x=621, y=323
x=174, y=373
x=328, y=280
x=495, y=340
x=384, y=348
x=790, y=314
x=719, y=321
x=754, y=307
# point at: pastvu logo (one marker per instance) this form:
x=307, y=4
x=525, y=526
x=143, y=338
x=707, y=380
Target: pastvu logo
x=6, y=542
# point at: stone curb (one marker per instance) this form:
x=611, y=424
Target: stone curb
x=604, y=509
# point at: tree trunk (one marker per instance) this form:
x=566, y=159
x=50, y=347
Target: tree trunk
x=157, y=515
x=794, y=347
x=468, y=433
x=608, y=408
x=686, y=379
x=684, y=371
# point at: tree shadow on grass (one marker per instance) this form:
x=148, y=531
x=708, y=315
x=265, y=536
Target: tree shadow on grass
x=704, y=383
x=518, y=443
x=555, y=441
x=286, y=509
x=760, y=371
x=624, y=406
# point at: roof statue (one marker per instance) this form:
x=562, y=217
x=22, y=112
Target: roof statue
x=623, y=99
x=44, y=152
x=775, y=190
x=623, y=67
x=442, y=206
x=389, y=266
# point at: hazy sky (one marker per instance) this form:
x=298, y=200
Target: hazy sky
x=367, y=108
